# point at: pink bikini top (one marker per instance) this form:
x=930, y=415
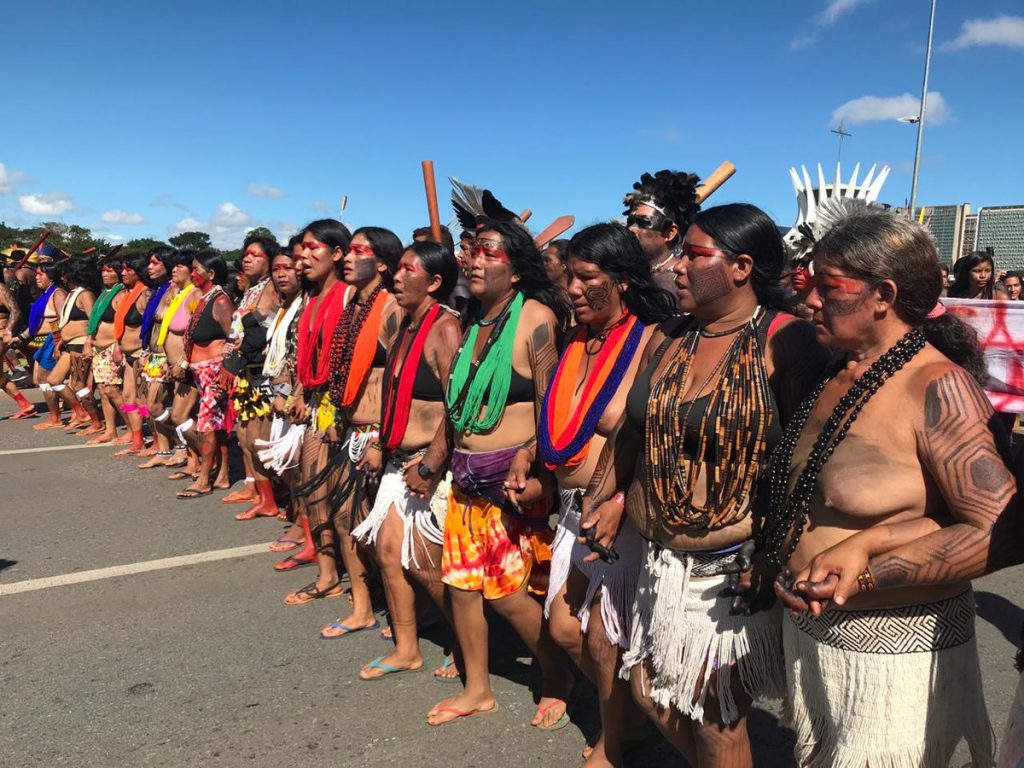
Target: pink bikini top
x=180, y=320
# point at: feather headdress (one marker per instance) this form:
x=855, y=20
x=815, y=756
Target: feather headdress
x=472, y=203
x=672, y=193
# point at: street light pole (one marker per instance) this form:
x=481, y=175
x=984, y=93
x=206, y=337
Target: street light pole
x=920, y=122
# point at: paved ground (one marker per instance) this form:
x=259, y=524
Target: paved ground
x=203, y=663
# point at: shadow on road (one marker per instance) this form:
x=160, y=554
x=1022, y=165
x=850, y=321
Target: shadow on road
x=5, y=563
x=1001, y=614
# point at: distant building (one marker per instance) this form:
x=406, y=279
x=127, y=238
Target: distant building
x=1001, y=228
x=947, y=224
x=970, y=235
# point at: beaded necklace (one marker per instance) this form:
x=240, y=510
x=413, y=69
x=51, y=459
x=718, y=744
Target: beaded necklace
x=735, y=421
x=316, y=329
x=398, y=389
x=353, y=346
x=564, y=433
x=469, y=381
x=790, y=514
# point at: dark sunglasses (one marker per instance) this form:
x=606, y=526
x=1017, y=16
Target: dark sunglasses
x=646, y=222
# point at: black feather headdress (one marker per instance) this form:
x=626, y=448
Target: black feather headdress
x=472, y=203
x=672, y=193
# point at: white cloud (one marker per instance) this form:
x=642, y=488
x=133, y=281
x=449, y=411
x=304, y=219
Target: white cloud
x=122, y=217
x=318, y=205
x=1002, y=30
x=110, y=237
x=46, y=205
x=8, y=179
x=226, y=227
x=268, y=191
x=870, y=109
x=833, y=11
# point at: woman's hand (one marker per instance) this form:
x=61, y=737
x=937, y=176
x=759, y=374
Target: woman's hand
x=278, y=405
x=419, y=487
x=605, y=521
x=516, y=480
x=372, y=461
x=750, y=582
x=831, y=577
x=297, y=412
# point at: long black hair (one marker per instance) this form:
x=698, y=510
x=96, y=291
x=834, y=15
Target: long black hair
x=333, y=234
x=528, y=264
x=386, y=247
x=744, y=228
x=961, y=287
x=81, y=272
x=137, y=262
x=437, y=260
x=214, y=262
x=617, y=252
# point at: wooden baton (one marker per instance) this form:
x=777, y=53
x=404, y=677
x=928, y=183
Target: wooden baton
x=431, y=188
x=35, y=247
x=715, y=180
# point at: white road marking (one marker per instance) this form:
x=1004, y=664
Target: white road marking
x=54, y=448
x=64, y=580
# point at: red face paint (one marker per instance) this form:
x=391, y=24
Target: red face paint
x=803, y=280
x=840, y=283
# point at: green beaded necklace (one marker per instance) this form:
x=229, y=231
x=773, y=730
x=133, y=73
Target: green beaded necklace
x=470, y=381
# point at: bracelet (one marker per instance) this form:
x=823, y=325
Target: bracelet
x=620, y=499
x=865, y=582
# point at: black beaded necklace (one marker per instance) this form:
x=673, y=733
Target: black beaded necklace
x=790, y=514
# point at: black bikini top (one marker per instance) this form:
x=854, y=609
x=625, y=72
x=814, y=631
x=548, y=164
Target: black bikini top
x=206, y=328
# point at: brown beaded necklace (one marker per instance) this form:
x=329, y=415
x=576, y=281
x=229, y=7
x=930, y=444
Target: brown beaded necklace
x=735, y=421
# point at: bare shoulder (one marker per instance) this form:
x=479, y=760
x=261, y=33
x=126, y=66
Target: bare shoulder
x=534, y=313
x=946, y=391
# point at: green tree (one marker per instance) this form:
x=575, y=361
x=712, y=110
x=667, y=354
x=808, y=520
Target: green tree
x=143, y=244
x=261, y=232
x=198, y=241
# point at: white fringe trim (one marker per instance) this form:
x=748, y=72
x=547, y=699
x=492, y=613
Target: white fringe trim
x=417, y=515
x=683, y=631
x=884, y=710
x=283, y=449
x=561, y=548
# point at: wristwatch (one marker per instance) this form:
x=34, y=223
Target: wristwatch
x=424, y=471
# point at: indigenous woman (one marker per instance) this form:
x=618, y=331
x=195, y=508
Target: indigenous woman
x=128, y=331
x=38, y=336
x=101, y=345
x=205, y=339
x=885, y=496
x=616, y=305
x=406, y=531
x=243, y=370
x=324, y=245
x=492, y=543
x=82, y=282
x=280, y=453
x=366, y=330
x=181, y=300
x=10, y=323
x=975, y=278
x=702, y=417
x=152, y=361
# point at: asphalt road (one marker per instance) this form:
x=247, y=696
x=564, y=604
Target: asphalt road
x=203, y=663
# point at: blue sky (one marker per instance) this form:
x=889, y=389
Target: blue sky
x=145, y=119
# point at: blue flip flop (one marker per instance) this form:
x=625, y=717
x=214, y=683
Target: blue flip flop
x=347, y=630
x=447, y=664
x=388, y=670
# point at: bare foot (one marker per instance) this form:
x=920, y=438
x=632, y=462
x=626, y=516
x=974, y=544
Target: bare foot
x=347, y=626
x=448, y=669
x=383, y=667
x=463, y=705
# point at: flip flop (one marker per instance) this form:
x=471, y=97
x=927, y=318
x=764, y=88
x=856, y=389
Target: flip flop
x=560, y=723
x=347, y=630
x=292, y=562
x=180, y=475
x=128, y=452
x=239, y=497
x=98, y=440
x=48, y=425
x=122, y=440
x=192, y=493
x=459, y=713
x=250, y=515
x=284, y=544
x=447, y=664
x=154, y=462
x=387, y=669
x=25, y=414
x=311, y=592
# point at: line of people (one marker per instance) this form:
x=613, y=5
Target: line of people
x=748, y=503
